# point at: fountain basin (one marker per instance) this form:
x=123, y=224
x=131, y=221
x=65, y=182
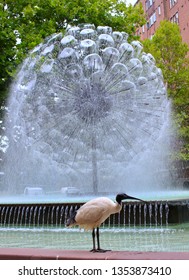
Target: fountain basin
x=156, y=226
x=49, y=210
x=172, y=238
x=49, y=254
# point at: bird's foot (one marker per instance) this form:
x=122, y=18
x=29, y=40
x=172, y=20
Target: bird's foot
x=99, y=250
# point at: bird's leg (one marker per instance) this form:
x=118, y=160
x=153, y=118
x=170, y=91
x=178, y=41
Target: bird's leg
x=98, y=243
x=94, y=245
x=94, y=250
x=98, y=239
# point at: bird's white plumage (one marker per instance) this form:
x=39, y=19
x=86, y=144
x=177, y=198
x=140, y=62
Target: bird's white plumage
x=94, y=212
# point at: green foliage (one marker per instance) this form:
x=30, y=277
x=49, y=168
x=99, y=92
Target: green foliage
x=171, y=56
x=28, y=22
x=7, y=51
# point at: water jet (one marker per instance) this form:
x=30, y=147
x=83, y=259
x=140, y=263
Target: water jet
x=88, y=110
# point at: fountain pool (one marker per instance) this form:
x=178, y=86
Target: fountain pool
x=148, y=226
x=172, y=238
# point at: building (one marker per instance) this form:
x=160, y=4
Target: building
x=176, y=11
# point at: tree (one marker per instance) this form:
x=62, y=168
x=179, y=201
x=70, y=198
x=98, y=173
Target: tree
x=7, y=51
x=171, y=56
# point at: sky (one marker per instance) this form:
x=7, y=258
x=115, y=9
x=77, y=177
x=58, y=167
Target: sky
x=131, y=1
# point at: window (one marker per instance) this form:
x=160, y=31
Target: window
x=175, y=18
x=148, y=4
x=172, y=3
x=159, y=10
x=152, y=19
x=154, y=16
x=143, y=29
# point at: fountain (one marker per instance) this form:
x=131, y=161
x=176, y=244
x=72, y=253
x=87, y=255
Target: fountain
x=88, y=114
x=89, y=111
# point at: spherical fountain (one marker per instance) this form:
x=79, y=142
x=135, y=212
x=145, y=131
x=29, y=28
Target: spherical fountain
x=88, y=112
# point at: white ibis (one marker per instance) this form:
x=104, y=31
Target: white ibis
x=94, y=212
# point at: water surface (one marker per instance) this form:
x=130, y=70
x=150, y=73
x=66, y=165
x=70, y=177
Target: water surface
x=161, y=239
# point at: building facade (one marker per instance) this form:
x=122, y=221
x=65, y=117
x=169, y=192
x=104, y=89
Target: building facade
x=176, y=11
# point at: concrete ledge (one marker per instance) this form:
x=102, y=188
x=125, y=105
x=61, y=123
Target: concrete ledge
x=47, y=254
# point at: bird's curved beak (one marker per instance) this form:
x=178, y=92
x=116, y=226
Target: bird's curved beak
x=134, y=198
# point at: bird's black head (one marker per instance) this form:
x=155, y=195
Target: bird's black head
x=122, y=196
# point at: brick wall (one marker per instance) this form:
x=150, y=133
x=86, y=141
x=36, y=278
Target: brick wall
x=157, y=10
